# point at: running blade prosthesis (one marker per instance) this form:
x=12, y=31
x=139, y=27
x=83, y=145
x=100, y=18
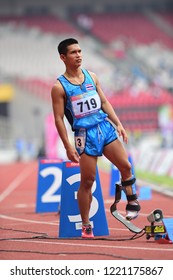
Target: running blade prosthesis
x=120, y=217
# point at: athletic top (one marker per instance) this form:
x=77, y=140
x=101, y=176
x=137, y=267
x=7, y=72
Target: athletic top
x=83, y=105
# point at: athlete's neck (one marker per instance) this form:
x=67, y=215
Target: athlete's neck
x=75, y=77
x=71, y=73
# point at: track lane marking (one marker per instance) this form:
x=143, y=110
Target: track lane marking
x=16, y=182
x=92, y=245
x=46, y=223
x=27, y=221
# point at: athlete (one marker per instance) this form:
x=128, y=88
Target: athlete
x=77, y=94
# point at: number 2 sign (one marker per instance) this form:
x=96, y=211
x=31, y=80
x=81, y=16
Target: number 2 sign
x=49, y=185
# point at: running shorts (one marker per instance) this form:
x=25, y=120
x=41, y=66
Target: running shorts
x=93, y=140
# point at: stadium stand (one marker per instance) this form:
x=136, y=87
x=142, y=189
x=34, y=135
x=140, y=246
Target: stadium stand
x=167, y=16
x=48, y=23
x=134, y=64
x=138, y=37
x=30, y=61
x=134, y=28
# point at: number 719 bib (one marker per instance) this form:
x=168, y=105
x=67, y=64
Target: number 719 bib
x=86, y=103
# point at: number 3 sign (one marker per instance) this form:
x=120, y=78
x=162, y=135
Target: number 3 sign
x=70, y=219
x=49, y=185
x=58, y=183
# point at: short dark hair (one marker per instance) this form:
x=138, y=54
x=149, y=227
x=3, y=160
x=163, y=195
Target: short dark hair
x=63, y=45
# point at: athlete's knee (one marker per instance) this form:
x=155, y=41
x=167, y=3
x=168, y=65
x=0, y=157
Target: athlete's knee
x=125, y=170
x=87, y=183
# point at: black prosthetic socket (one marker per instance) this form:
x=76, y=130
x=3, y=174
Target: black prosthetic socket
x=132, y=197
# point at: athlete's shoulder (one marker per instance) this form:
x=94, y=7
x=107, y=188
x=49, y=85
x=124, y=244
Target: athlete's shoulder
x=89, y=72
x=57, y=85
x=57, y=88
x=93, y=76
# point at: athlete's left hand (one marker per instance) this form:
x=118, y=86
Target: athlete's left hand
x=122, y=133
x=72, y=154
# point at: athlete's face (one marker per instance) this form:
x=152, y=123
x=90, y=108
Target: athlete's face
x=73, y=56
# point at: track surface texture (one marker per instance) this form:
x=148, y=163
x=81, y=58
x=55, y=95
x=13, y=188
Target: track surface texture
x=27, y=235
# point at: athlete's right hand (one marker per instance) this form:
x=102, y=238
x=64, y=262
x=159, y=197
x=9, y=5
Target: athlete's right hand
x=72, y=154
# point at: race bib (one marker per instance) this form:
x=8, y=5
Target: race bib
x=80, y=139
x=86, y=103
x=80, y=142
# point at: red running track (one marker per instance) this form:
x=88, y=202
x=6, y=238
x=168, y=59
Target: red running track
x=27, y=235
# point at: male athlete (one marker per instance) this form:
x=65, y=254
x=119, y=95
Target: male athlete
x=77, y=94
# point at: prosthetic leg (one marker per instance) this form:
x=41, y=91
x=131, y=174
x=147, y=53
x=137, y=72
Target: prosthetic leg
x=130, y=207
x=133, y=206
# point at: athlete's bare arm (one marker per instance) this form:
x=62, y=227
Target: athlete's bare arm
x=58, y=102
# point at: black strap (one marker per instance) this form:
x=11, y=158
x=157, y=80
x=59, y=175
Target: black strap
x=128, y=182
x=131, y=197
x=131, y=207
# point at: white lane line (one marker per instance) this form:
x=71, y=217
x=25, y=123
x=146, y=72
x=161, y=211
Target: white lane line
x=45, y=223
x=16, y=182
x=92, y=245
x=24, y=205
x=27, y=221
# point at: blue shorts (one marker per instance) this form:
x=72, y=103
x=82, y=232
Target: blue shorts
x=92, y=141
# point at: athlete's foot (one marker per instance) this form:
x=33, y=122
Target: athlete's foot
x=132, y=210
x=87, y=231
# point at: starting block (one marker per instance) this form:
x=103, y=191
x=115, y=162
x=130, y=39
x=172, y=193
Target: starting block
x=70, y=218
x=49, y=185
x=162, y=233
